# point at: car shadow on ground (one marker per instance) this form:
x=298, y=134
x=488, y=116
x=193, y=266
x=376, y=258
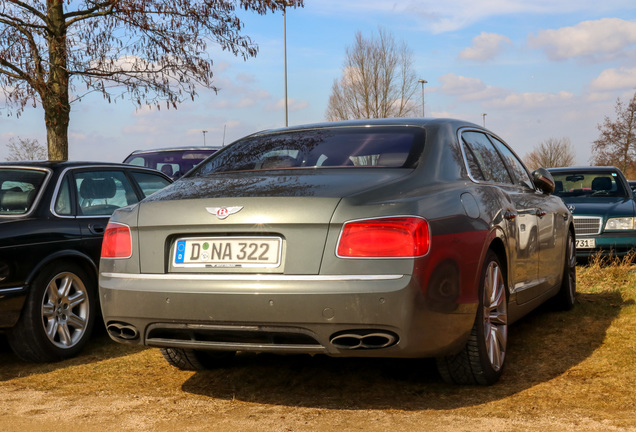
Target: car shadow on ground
x=543, y=345
x=100, y=347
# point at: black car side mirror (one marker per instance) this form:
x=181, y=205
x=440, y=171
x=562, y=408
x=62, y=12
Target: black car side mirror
x=543, y=180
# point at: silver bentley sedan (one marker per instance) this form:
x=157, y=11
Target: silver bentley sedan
x=371, y=238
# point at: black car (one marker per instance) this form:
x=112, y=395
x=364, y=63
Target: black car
x=52, y=219
x=172, y=161
x=603, y=206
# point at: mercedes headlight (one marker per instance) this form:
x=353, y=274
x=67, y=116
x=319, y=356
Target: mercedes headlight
x=618, y=224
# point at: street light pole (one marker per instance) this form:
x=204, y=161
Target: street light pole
x=483, y=115
x=204, y=132
x=285, y=3
x=422, y=81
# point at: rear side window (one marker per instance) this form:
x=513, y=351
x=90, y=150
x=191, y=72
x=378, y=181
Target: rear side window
x=484, y=162
x=18, y=189
x=519, y=174
x=355, y=147
x=63, y=202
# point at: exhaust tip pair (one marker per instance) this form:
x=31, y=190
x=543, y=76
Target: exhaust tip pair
x=363, y=339
x=122, y=331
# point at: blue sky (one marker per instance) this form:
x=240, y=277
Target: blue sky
x=539, y=69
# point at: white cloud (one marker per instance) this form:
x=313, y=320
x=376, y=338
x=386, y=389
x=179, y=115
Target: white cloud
x=531, y=101
x=485, y=47
x=452, y=15
x=456, y=84
x=292, y=104
x=614, y=79
x=469, y=89
x=602, y=39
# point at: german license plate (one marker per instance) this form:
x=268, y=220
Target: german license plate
x=229, y=252
x=588, y=243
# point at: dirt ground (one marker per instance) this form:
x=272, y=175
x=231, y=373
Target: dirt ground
x=113, y=387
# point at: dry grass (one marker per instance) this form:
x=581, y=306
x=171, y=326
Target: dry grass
x=566, y=371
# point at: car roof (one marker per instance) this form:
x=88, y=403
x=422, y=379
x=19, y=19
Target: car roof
x=61, y=164
x=57, y=166
x=399, y=121
x=169, y=149
x=585, y=168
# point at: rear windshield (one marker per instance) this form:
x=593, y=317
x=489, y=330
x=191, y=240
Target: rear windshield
x=18, y=189
x=592, y=184
x=356, y=147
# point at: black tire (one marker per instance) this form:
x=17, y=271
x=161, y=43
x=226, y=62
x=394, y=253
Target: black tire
x=58, y=315
x=566, y=297
x=481, y=361
x=195, y=360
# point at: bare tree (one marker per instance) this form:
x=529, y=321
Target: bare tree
x=378, y=80
x=25, y=149
x=151, y=51
x=616, y=144
x=553, y=152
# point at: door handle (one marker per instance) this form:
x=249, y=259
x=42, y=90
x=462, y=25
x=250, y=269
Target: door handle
x=541, y=212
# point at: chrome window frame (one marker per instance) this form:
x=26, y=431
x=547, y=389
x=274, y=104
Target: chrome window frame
x=83, y=167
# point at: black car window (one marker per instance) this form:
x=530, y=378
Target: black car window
x=18, y=189
x=586, y=183
x=519, y=174
x=63, y=203
x=100, y=193
x=149, y=183
x=354, y=147
x=484, y=162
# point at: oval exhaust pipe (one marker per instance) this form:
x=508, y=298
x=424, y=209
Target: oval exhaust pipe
x=363, y=340
x=122, y=331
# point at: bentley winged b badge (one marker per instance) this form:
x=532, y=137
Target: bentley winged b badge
x=223, y=212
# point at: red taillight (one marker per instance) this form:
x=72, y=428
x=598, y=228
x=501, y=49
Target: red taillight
x=117, y=241
x=395, y=237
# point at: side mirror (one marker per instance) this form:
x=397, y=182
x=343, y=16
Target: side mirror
x=543, y=180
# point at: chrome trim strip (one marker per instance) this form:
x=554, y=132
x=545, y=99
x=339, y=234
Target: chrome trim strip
x=250, y=277
x=10, y=290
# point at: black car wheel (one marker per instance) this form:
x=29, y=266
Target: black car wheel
x=481, y=361
x=58, y=315
x=566, y=297
x=195, y=360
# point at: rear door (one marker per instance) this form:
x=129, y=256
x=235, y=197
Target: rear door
x=487, y=165
x=95, y=193
x=550, y=224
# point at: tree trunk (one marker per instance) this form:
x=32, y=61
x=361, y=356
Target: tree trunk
x=55, y=97
x=57, y=118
